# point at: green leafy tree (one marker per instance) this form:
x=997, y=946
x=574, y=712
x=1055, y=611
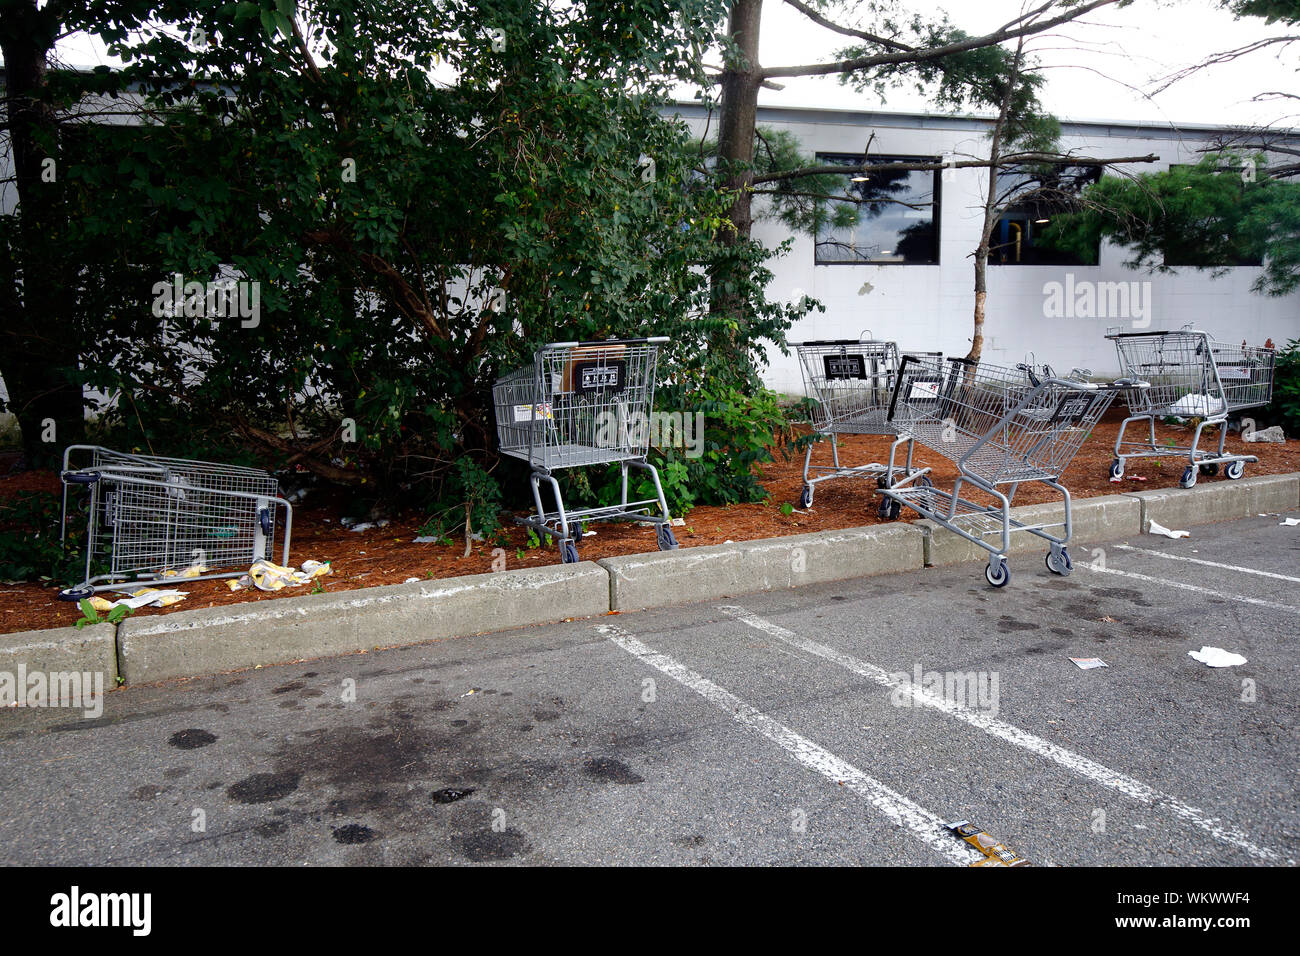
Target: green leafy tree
x=1223, y=211
x=412, y=233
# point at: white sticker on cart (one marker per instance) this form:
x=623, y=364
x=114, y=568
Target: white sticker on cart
x=924, y=390
x=528, y=413
x=1233, y=371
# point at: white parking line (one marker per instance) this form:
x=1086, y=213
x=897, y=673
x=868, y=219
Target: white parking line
x=1208, y=564
x=1182, y=586
x=922, y=824
x=1075, y=763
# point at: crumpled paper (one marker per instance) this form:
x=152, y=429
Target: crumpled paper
x=144, y=597
x=193, y=571
x=267, y=576
x=1156, y=528
x=1216, y=657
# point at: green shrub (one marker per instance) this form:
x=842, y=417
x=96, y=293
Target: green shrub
x=29, y=541
x=1285, y=410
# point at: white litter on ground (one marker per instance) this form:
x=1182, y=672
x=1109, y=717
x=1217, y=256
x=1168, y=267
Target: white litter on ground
x=411, y=581
x=1216, y=657
x=1155, y=527
x=1088, y=663
x=145, y=597
x=425, y=539
x=1289, y=522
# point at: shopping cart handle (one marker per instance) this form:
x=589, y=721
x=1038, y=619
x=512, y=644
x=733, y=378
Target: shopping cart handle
x=80, y=477
x=653, y=340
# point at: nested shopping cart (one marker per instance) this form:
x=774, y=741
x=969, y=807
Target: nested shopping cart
x=1191, y=376
x=1002, y=427
x=148, y=515
x=583, y=404
x=850, y=383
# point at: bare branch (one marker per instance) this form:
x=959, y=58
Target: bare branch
x=934, y=53
x=1008, y=160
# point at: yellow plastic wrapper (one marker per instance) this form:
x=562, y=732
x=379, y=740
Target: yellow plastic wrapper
x=193, y=571
x=995, y=853
x=165, y=599
x=316, y=569
x=275, y=577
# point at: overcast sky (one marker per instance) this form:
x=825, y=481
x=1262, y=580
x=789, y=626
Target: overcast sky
x=1099, y=69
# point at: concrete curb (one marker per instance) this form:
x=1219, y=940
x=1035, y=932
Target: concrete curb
x=189, y=643
x=62, y=650
x=192, y=643
x=1218, y=500
x=1095, y=519
x=699, y=574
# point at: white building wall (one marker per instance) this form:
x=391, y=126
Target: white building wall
x=930, y=306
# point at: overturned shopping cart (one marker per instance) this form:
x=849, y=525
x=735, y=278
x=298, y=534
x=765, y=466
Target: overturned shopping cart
x=851, y=383
x=1191, y=376
x=1002, y=427
x=582, y=404
x=148, y=515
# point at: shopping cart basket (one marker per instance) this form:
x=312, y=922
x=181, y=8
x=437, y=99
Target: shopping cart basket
x=148, y=515
x=1000, y=426
x=851, y=383
x=1191, y=376
x=581, y=404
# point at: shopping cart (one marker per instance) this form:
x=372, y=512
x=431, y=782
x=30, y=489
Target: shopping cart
x=850, y=383
x=580, y=404
x=1000, y=426
x=149, y=515
x=1191, y=376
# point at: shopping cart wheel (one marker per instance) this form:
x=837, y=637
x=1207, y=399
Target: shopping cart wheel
x=1235, y=469
x=568, y=552
x=1117, y=469
x=924, y=482
x=1211, y=469
x=805, y=497
x=1058, y=562
x=1189, y=477
x=997, y=573
x=664, y=538
x=890, y=509
x=76, y=594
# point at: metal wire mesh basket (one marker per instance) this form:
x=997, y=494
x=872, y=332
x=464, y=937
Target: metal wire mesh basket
x=1000, y=426
x=850, y=384
x=148, y=514
x=580, y=404
x=583, y=404
x=1190, y=376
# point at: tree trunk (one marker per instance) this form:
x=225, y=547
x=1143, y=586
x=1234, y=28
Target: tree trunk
x=38, y=342
x=991, y=209
x=739, y=111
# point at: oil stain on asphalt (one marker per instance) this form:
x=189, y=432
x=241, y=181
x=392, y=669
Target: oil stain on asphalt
x=264, y=787
x=192, y=739
x=611, y=771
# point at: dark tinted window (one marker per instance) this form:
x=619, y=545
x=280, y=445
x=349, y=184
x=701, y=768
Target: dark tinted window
x=1032, y=198
x=898, y=214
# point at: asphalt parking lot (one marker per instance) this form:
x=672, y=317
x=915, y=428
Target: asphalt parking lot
x=834, y=724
